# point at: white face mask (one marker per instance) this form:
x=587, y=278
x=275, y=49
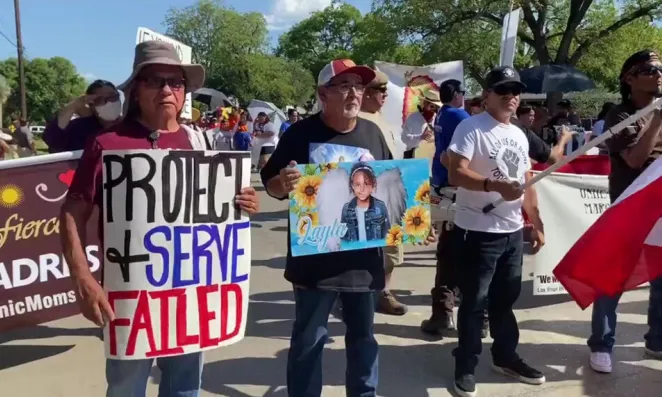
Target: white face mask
x=110, y=111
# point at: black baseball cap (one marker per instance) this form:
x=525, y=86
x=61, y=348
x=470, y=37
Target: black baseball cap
x=502, y=75
x=448, y=89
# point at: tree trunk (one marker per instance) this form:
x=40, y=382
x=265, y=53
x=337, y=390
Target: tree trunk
x=552, y=99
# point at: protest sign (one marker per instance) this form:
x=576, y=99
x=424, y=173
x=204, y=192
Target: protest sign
x=406, y=86
x=35, y=285
x=569, y=204
x=183, y=51
x=176, y=251
x=350, y=206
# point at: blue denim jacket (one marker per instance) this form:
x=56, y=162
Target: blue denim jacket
x=376, y=220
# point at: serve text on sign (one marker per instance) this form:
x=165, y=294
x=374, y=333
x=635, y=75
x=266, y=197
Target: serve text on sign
x=176, y=251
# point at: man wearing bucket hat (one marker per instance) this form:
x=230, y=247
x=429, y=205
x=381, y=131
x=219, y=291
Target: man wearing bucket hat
x=155, y=95
x=418, y=126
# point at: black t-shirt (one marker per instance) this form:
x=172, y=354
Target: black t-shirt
x=359, y=270
x=538, y=149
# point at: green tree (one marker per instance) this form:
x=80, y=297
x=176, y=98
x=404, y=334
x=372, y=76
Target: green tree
x=49, y=83
x=553, y=31
x=340, y=31
x=5, y=91
x=232, y=47
x=605, y=58
x=325, y=35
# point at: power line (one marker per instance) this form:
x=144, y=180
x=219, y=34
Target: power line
x=8, y=39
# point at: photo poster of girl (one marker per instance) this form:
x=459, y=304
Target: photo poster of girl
x=361, y=204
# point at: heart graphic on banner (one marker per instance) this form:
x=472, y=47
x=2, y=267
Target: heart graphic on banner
x=66, y=177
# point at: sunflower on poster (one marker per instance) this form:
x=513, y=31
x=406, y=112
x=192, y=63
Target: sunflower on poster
x=305, y=191
x=423, y=193
x=394, y=236
x=416, y=223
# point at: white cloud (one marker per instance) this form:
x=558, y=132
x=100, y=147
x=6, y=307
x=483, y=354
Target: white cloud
x=90, y=76
x=285, y=13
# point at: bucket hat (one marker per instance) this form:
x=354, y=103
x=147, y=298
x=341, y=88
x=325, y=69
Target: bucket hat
x=162, y=53
x=432, y=96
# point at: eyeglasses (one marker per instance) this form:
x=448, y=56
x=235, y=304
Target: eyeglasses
x=156, y=82
x=344, y=88
x=504, y=90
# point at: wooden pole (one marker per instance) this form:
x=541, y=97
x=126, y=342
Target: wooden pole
x=21, y=66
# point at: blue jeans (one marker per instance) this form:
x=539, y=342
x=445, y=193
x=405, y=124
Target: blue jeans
x=309, y=335
x=489, y=276
x=181, y=376
x=603, y=321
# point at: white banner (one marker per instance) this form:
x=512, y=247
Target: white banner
x=569, y=204
x=177, y=251
x=509, y=38
x=184, y=53
x=406, y=86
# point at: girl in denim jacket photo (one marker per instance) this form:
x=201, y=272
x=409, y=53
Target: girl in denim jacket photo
x=366, y=217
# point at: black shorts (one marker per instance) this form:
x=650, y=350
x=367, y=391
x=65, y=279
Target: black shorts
x=267, y=150
x=409, y=154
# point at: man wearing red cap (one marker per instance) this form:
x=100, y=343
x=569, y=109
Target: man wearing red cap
x=351, y=276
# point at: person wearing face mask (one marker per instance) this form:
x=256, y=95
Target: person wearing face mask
x=100, y=107
x=418, y=126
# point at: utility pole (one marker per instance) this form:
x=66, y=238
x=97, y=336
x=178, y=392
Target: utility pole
x=21, y=66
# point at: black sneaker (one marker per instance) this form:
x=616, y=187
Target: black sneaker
x=465, y=386
x=522, y=372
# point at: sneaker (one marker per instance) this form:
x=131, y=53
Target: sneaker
x=601, y=362
x=439, y=325
x=387, y=304
x=654, y=354
x=522, y=372
x=465, y=386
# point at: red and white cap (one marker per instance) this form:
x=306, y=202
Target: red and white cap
x=342, y=66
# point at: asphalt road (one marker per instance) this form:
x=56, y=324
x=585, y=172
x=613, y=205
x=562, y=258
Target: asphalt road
x=65, y=358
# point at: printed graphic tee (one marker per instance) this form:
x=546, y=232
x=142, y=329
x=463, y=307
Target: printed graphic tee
x=496, y=151
x=311, y=141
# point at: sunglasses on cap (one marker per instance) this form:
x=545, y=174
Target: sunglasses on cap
x=507, y=89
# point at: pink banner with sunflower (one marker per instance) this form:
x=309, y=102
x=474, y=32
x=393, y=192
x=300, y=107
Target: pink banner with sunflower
x=350, y=206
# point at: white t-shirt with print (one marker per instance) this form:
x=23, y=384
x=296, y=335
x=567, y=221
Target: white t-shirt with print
x=496, y=151
x=269, y=141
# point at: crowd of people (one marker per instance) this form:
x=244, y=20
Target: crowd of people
x=484, y=150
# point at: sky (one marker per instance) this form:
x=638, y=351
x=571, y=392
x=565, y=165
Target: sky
x=99, y=36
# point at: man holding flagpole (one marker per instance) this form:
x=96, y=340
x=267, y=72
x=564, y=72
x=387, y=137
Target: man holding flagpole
x=488, y=159
x=631, y=151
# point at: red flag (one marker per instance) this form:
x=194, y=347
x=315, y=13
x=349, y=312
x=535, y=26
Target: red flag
x=623, y=248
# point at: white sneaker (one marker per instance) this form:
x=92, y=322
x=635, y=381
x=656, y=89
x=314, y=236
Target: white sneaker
x=601, y=362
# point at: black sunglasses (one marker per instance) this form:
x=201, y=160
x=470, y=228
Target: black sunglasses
x=157, y=82
x=507, y=89
x=649, y=70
